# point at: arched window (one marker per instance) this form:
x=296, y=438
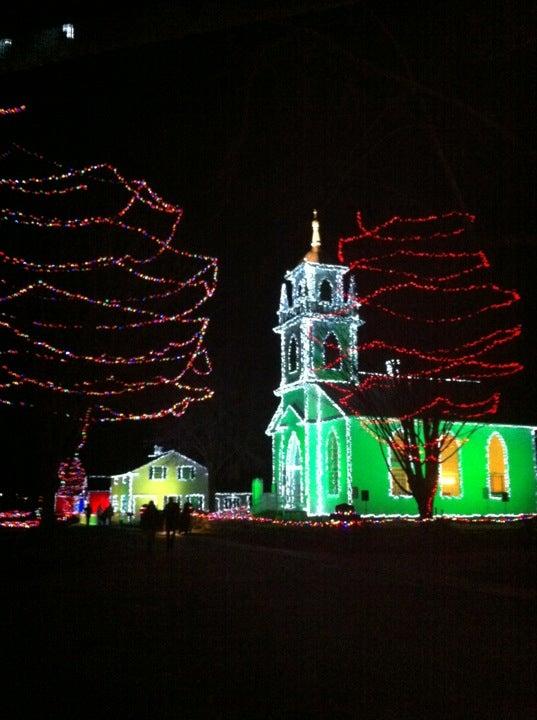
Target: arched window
x=450, y=475
x=293, y=355
x=398, y=478
x=332, y=464
x=497, y=465
x=332, y=353
x=325, y=291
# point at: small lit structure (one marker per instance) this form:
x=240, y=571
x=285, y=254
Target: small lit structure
x=68, y=29
x=167, y=474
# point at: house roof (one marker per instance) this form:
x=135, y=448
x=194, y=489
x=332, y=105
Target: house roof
x=170, y=456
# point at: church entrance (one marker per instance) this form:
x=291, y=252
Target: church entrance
x=293, y=488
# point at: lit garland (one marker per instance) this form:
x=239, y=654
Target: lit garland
x=15, y=110
x=46, y=354
x=244, y=515
x=467, y=361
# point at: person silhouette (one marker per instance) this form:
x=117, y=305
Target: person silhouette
x=186, y=519
x=87, y=512
x=172, y=516
x=149, y=523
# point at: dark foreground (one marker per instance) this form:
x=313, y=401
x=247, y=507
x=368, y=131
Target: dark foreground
x=221, y=628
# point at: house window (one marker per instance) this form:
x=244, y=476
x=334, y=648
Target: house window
x=325, y=292
x=157, y=472
x=332, y=463
x=449, y=475
x=293, y=355
x=332, y=353
x=398, y=478
x=185, y=472
x=196, y=500
x=497, y=466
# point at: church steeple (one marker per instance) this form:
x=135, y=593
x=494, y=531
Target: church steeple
x=318, y=319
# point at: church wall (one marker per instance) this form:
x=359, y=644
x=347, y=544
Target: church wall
x=322, y=501
x=369, y=472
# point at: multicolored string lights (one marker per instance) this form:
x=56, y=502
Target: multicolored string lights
x=99, y=303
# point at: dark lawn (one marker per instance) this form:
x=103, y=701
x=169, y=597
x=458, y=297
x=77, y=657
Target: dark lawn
x=233, y=626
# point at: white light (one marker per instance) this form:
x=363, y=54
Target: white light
x=68, y=30
x=6, y=42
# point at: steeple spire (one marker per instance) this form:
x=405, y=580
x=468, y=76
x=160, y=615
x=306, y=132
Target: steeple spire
x=314, y=253
x=315, y=237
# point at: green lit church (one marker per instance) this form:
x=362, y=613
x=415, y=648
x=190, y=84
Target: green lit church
x=323, y=456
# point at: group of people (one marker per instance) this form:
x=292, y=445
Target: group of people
x=175, y=520
x=104, y=515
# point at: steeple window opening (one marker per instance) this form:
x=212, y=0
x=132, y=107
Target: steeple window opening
x=332, y=353
x=325, y=291
x=293, y=355
x=289, y=290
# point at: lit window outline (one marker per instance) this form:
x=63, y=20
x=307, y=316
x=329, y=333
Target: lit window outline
x=394, y=468
x=506, y=478
x=333, y=469
x=158, y=472
x=453, y=454
x=185, y=472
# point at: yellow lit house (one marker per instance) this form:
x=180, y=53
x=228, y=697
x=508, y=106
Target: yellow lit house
x=167, y=474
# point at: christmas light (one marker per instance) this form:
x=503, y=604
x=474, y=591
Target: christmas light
x=69, y=347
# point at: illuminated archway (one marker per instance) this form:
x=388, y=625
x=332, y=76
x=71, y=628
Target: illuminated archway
x=293, y=488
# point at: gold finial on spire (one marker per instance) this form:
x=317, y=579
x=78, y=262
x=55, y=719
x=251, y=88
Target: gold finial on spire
x=315, y=238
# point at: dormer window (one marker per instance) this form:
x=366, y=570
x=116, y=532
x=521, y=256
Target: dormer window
x=293, y=355
x=325, y=292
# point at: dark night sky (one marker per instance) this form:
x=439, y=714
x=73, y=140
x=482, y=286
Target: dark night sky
x=404, y=108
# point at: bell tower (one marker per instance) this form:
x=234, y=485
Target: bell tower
x=318, y=320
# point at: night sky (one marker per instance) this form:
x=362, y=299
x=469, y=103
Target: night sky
x=249, y=122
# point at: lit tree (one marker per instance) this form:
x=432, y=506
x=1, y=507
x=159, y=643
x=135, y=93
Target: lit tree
x=428, y=351
x=100, y=309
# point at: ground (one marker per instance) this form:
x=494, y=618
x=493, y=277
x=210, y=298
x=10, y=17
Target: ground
x=263, y=623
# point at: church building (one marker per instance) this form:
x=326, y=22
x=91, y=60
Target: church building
x=323, y=456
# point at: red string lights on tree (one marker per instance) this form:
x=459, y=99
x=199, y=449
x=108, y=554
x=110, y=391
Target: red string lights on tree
x=99, y=303
x=427, y=349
